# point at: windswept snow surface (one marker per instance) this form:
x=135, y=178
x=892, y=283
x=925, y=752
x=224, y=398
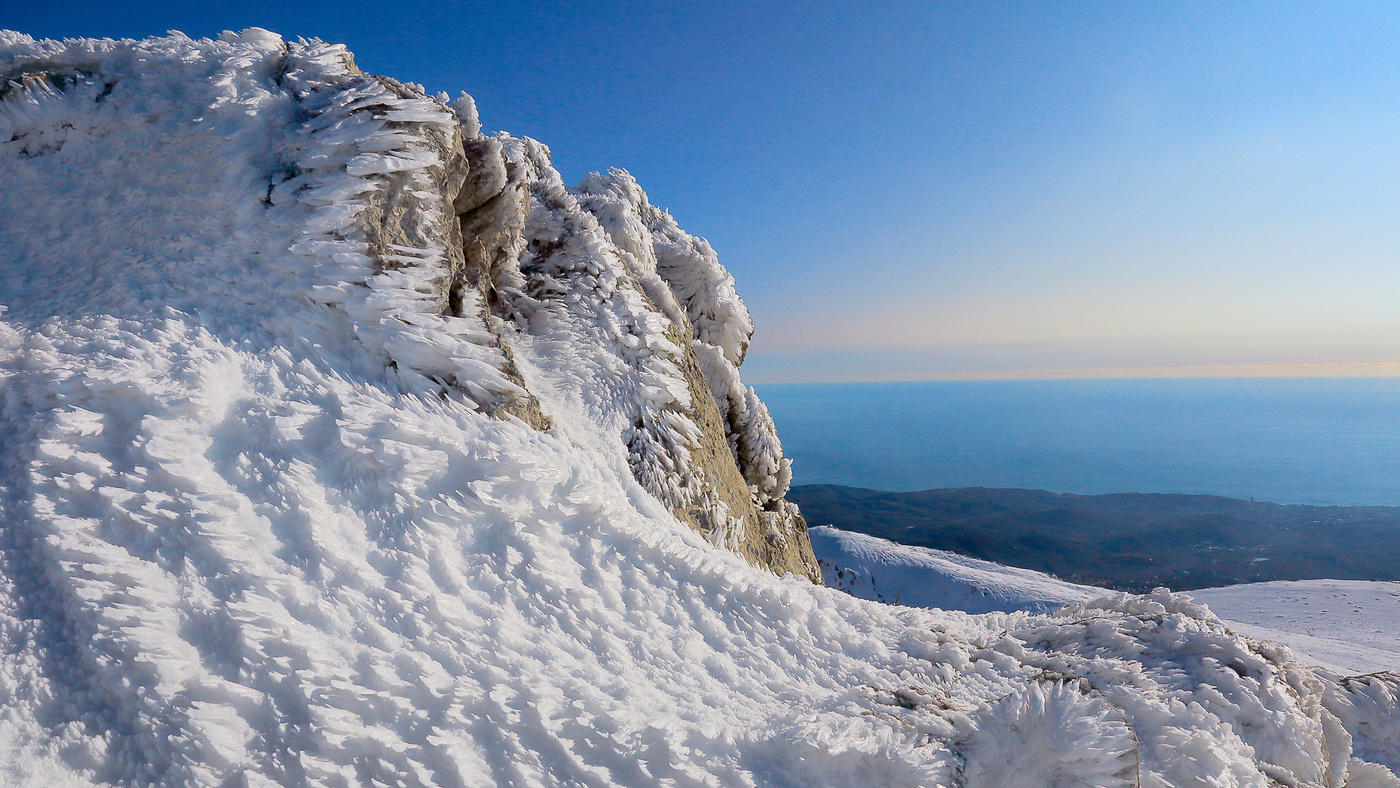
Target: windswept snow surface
x=1350, y=629
x=873, y=568
x=1346, y=626
x=258, y=529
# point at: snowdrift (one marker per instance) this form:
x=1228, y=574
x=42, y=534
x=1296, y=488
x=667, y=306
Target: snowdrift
x=344, y=445
x=1345, y=627
x=873, y=568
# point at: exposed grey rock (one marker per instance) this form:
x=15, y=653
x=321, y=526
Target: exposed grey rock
x=775, y=537
x=724, y=475
x=490, y=218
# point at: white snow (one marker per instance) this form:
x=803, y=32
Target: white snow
x=1346, y=626
x=258, y=529
x=873, y=568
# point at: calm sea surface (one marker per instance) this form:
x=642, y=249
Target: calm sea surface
x=1318, y=441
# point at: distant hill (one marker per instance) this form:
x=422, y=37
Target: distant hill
x=1127, y=541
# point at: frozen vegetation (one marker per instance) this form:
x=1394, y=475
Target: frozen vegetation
x=344, y=445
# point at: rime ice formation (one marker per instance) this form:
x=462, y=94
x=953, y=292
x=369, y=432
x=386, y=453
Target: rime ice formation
x=1345, y=627
x=346, y=446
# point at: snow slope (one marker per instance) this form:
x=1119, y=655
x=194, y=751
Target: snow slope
x=1347, y=627
x=873, y=568
x=285, y=503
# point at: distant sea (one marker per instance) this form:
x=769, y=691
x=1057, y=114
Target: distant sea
x=1316, y=441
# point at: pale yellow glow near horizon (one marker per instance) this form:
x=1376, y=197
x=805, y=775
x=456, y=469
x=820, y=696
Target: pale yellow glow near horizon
x=1051, y=358
x=1379, y=370
x=1259, y=371
x=1212, y=256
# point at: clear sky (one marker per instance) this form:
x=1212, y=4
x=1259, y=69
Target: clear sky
x=932, y=190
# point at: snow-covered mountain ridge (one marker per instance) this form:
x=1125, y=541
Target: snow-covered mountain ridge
x=877, y=569
x=344, y=445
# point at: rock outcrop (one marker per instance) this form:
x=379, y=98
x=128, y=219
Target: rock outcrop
x=458, y=226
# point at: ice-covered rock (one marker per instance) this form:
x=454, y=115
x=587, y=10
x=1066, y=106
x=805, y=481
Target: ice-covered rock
x=346, y=446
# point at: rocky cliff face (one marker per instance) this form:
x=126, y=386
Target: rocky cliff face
x=517, y=255
x=540, y=253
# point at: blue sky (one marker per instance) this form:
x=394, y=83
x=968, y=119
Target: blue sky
x=933, y=190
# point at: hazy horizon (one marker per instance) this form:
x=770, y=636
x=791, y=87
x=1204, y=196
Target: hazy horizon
x=1308, y=441
x=765, y=374
x=1053, y=360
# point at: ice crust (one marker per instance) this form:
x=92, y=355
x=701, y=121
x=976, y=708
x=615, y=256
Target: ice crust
x=261, y=527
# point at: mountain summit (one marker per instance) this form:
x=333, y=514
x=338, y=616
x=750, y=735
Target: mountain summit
x=344, y=445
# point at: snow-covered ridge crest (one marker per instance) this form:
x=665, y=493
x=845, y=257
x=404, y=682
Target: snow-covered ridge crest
x=587, y=292
x=374, y=175
x=873, y=568
x=656, y=246
x=413, y=229
x=682, y=275
x=273, y=517
x=378, y=162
